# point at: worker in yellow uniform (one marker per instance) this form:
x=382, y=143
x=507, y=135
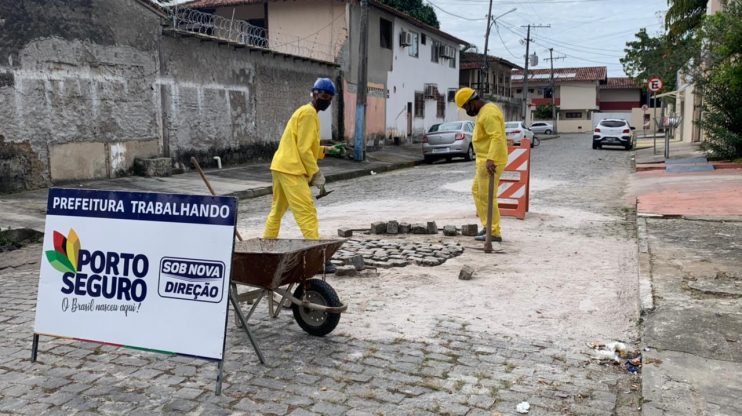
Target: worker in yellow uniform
x=294, y=166
x=490, y=146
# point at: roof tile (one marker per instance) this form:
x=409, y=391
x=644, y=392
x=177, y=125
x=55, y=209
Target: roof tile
x=587, y=73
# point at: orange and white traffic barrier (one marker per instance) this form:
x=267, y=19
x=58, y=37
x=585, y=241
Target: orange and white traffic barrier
x=513, y=192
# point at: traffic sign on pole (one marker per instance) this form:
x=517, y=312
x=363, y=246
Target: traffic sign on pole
x=654, y=84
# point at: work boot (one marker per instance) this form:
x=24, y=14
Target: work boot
x=495, y=238
x=330, y=268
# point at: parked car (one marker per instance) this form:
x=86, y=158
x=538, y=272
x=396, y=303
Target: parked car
x=613, y=132
x=449, y=140
x=516, y=131
x=542, y=127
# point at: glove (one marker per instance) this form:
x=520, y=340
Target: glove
x=336, y=150
x=318, y=180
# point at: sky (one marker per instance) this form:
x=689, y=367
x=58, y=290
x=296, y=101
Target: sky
x=584, y=32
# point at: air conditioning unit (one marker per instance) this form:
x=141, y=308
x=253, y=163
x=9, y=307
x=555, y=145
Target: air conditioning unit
x=431, y=91
x=405, y=38
x=447, y=51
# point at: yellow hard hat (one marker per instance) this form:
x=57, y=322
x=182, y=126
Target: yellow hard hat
x=463, y=95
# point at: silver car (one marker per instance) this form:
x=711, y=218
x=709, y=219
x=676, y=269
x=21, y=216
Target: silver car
x=542, y=127
x=449, y=140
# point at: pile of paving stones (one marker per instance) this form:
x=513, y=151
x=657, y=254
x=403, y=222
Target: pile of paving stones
x=356, y=255
x=395, y=227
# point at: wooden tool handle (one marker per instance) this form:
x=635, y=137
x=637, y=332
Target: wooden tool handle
x=208, y=185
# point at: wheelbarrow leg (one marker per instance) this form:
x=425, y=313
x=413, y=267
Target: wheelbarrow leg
x=236, y=306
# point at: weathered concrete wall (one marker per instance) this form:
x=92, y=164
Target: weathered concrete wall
x=87, y=86
x=232, y=103
x=76, y=71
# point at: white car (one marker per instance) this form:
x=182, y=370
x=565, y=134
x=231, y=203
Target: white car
x=613, y=132
x=516, y=131
x=542, y=127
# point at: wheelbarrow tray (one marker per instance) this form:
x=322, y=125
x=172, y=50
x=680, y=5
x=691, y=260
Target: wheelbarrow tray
x=269, y=264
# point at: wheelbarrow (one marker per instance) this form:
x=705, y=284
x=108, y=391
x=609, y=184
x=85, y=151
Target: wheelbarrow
x=276, y=267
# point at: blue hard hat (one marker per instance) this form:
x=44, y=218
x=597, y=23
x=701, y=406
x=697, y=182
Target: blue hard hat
x=324, y=85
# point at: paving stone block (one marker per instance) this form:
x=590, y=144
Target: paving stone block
x=404, y=228
x=466, y=273
x=469, y=230
x=378, y=227
x=431, y=227
x=392, y=227
x=419, y=228
x=345, y=232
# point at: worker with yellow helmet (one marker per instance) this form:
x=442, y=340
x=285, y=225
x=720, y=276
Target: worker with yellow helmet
x=490, y=146
x=294, y=167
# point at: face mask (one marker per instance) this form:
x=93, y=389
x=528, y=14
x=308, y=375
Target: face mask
x=471, y=113
x=321, y=104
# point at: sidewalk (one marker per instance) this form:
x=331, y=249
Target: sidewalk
x=689, y=227
x=28, y=209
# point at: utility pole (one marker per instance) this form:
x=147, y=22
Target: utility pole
x=525, y=72
x=362, y=87
x=485, y=69
x=554, y=117
x=485, y=61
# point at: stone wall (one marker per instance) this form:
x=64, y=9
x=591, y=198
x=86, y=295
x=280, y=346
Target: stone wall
x=87, y=86
x=77, y=78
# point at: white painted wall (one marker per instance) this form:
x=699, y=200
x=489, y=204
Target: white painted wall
x=410, y=74
x=578, y=96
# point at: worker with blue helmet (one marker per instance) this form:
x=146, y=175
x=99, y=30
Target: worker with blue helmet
x=294, y=167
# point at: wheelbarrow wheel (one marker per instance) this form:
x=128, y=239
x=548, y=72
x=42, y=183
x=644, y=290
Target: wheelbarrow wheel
x=314, y=322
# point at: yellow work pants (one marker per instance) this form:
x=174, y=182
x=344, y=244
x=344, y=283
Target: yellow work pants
x=479, y=191
x=292, y=191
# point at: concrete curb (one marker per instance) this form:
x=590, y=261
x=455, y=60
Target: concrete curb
x=646, y=296
x=352, y=174
x=542, y=138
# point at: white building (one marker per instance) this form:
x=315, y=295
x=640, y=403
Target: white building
x=413, y=68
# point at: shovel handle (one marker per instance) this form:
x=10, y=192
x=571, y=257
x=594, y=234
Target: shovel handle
x=208, y=185
x=490, y=207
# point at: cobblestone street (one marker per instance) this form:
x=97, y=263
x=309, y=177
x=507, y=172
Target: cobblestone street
x=432, y=357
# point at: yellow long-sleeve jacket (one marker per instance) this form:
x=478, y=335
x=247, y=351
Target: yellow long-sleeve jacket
x=299, y=148
x=489, y=138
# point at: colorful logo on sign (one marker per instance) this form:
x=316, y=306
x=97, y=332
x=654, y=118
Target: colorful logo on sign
x=111, y=275
x=191, y=279
x=65, y=254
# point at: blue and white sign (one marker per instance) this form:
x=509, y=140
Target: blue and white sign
x=144, y=270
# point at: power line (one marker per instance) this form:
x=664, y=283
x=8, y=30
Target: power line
x=497, y=29
x=455, y=15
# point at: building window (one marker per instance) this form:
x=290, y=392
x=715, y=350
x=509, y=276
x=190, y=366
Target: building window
x=573, y=114
x=435, y=50
x=385, y=33
x=412, y=50
x=422, y=38
x=548, y=92
x=451, y=95
x=519, y=91
x=419, y=104
x=452, y=62
x=441, y=107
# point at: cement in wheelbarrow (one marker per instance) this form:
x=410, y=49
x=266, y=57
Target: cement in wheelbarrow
x=269, y=264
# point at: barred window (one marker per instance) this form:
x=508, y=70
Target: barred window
x=441, y=108
x=419, y=104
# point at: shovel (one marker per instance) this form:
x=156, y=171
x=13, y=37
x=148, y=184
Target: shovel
x=323, y=192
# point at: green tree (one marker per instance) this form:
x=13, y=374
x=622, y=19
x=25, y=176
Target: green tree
x=719, y=79
x=543, y=112
x=648, y=56
x=417, y=9
x=683, y=17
